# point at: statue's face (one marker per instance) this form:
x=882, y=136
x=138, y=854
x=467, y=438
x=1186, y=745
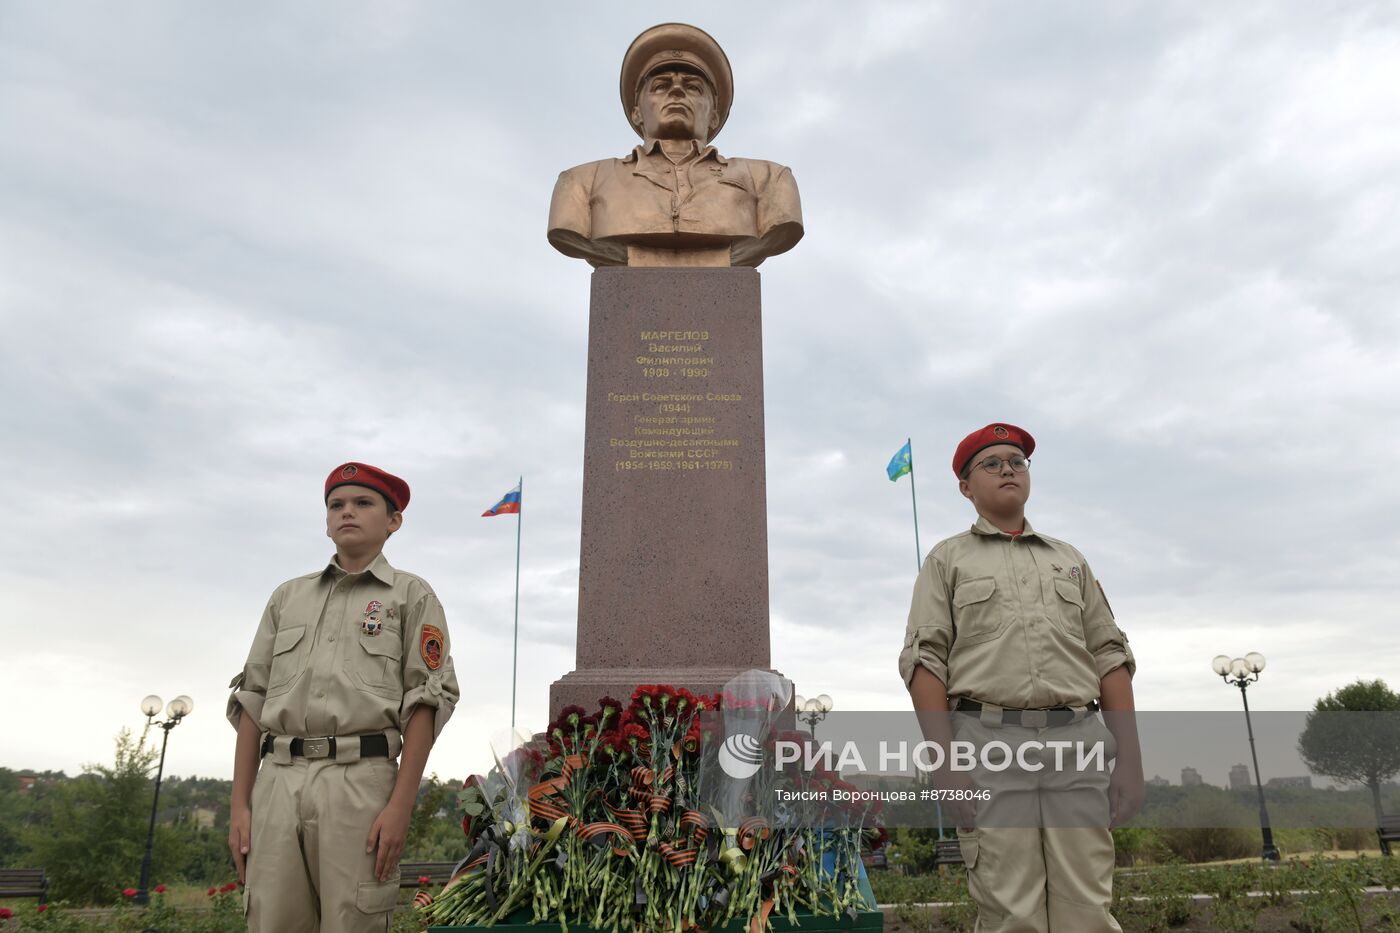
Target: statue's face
x=675, y=104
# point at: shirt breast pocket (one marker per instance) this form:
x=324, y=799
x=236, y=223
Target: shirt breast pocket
x=975, y=613
x=1071, y=606
x=375, y=664
x=286, y=664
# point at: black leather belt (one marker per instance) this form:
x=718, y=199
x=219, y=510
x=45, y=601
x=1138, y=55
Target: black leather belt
x=371, y=746
x=1058, y=716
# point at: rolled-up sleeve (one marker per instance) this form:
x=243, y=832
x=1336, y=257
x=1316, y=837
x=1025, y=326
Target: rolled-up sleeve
x=928, y=636
x=1104, y=639
x=429, y=678
x=249, y=687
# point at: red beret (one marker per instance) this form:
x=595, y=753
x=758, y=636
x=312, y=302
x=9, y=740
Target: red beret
x=362, y=474
x=990, y=436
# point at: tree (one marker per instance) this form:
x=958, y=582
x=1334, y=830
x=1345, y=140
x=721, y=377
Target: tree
x=93, y=843
x=1353, y=735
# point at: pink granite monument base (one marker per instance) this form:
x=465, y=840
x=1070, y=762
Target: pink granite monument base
x=673, y=569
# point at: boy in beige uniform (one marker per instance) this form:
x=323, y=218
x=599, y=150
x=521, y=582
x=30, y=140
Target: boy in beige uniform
x=350, y=665
x=1010, y=628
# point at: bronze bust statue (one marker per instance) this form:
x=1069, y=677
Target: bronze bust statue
x=674, y=200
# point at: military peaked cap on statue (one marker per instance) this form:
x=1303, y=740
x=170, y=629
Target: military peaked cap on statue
x=362, y=474
x=676, y=44
x=990, y=436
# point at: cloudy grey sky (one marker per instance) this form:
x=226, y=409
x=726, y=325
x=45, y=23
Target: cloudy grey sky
x=241, y=243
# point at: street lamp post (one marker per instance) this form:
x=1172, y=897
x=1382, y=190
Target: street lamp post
x=179, y=708
x=812, y=711
x=1241, y=672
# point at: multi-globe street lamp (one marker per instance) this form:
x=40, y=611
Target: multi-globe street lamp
x=812, y=711
x=1241, y=672
x=179, y=708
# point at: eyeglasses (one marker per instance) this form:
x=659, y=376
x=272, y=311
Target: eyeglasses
x=994, y=464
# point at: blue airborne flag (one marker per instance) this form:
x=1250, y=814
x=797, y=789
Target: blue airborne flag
x=901, y=463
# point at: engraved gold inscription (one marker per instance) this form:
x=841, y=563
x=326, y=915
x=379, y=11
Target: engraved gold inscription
x=678, y=423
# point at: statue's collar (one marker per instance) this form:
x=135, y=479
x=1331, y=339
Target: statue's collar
x=653, y=146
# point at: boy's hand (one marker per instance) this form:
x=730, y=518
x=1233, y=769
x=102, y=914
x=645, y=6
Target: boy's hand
x=388, y=833
x=1126, y=792
x=963, y=807
x=240, y=830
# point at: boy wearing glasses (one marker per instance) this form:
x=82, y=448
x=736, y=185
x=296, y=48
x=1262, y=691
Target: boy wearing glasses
x=1009, y=629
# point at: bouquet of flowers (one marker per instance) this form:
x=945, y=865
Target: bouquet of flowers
x=604, y=820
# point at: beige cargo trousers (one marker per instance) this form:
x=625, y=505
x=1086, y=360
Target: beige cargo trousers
x=308, y=871
x=1040, y=859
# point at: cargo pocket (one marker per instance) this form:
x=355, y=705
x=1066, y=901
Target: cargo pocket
x=376, y=664
x=373, y=897
x=974, y=612
x=285, y=668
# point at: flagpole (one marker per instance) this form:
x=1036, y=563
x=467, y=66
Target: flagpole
x=918, y=551
x=515, y=642
x=919, y=561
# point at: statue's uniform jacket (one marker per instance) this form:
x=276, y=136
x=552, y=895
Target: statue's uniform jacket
x=315, y=670
x=601, y=206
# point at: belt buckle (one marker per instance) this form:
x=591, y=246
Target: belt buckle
x=315, y=748
x=1035, y=718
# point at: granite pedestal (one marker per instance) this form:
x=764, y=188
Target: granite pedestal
x=673, y=569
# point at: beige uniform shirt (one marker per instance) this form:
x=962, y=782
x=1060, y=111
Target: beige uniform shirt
x=1013, y=620
x=315, y=669
x=646, y=199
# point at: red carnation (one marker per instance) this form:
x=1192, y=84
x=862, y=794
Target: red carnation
x=231, y=886
x=210, y=892
x=424, y=879
x=43, y=907
x=6, y=913
x=129, y=892
x=160, y=889
x=608, y=708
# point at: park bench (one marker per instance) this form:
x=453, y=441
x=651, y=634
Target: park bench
x=947, y=852
x=438, y=873
x=24, y=882
x=1388, y=831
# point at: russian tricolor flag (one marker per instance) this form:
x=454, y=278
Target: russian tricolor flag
x=509, y=504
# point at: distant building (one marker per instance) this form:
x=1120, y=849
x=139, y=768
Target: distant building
x=1304, y=782
x=27, y=780
x=203, y=817
x=1239, y=778
x=1158, y=781
x=1190, y=777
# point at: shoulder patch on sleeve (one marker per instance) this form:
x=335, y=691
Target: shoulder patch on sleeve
x=430, y=645
x=1105, y=598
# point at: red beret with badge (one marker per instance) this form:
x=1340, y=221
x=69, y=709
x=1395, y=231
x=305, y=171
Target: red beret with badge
x=362, y=474
x=990, y=436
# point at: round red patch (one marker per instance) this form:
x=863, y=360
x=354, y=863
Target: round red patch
x=349, y=471
x=430, y=646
